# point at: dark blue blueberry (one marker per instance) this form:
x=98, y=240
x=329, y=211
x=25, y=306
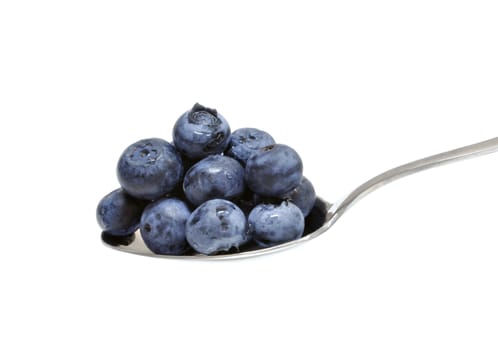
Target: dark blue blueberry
x=244, y=142
x=271, y=224
x=118, y=213
x=163, y=226
x=303, y=196
x=216, y=225
x=273, y=170
x=200, y=132
x=259, y=199
x=214, y=177
x=149, y=169
x=245, y=202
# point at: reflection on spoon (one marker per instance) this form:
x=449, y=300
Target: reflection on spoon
x=324, y=214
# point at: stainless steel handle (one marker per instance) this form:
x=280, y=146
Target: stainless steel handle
x=477, y=149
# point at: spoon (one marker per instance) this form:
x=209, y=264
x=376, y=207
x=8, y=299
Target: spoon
x=324, y=214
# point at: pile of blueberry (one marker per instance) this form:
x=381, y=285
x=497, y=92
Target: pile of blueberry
x=210, y=190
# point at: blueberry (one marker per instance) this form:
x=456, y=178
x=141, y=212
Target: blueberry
x=149, y=169
x=214, y=177
x=271, y=224
x=200, y=132
x=244, y=142
x=216, y=225
x=273, y=170
x=245, y=202
x=118, y=213
x=303, y=196
x=259, y=199
x=163, y=226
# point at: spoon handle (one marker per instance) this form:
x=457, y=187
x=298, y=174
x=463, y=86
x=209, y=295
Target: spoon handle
x=477, y=149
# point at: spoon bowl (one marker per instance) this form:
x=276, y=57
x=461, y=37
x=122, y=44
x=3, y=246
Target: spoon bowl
x=323, y=215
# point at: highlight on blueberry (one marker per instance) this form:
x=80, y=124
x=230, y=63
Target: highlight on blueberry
x=216, y=225
x=271, y=224
x=201, y=132
x=214, y=177
x=149, y=169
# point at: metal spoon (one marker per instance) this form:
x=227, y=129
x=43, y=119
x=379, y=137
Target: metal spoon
x=324, y=214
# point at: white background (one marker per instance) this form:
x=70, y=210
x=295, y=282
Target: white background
x=356, y=87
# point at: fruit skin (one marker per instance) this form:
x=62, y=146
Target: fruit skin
x=200, y=132
x=273, y=170
x=245, y=141
x=216, y=225
x=271, y=224
x=246, y=201
x=214, y=177
x=303, y=196
x=118, y=213
x=149, y=168
x=163, y=226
